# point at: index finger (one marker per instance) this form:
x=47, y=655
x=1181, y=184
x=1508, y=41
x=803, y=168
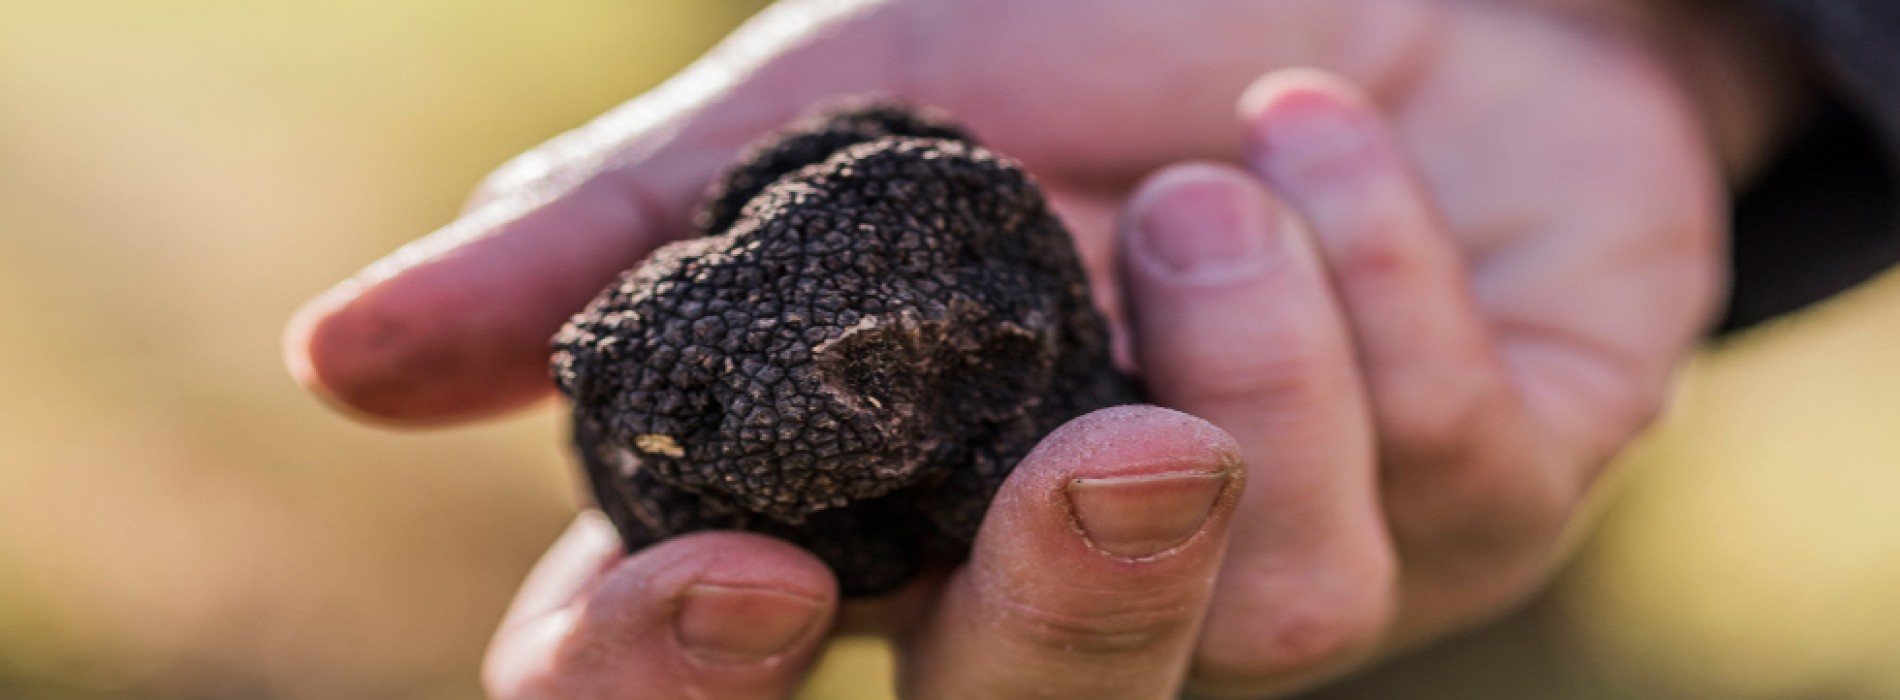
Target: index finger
x=456, y=325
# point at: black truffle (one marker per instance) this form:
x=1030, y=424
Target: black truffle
x=881, y=320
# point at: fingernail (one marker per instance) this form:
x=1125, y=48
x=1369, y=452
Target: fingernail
x=1202, y=227
x=732, y=625
x=300, y=334
x=1303, y=132
x=1143, y=516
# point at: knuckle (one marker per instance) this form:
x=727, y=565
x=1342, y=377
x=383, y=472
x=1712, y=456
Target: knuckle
x=1288, y=366
x=1104, y=625
x=1311, y=640
x=1109, y=633
x=1485, y=518
x=1471, y=480
x=517, y=174
x=1370, y=251
x=560, y=162
x=1443, y=423
x=1300, y=643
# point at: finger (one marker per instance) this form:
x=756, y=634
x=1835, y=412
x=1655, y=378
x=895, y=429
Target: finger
x=1474, y=500
x=1234, y=322
x=1093, y=566
x=714, y=615
x=457, y=325
x=1092, y=219
x=583, y=553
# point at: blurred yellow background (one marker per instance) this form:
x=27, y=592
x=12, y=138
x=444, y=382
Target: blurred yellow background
x=178, y=521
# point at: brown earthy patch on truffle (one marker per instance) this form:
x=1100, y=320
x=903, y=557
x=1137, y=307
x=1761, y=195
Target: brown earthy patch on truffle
x=882, y=319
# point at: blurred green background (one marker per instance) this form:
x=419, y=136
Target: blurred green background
x=178, y=521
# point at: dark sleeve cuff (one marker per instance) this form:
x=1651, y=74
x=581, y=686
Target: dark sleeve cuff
x=1826, y=214
x=1822, y=219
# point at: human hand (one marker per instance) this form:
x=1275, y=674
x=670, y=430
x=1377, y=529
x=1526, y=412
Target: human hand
x=1088, y=579
x=1447, y=296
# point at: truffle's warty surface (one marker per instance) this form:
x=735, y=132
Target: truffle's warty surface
x=882, y=319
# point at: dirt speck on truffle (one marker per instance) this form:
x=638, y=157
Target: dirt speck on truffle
x=659, y=444
x=880, y=321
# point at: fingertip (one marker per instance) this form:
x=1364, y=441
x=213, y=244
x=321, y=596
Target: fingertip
x=1137, y=517
x=381, y=353
x=714, y=614
x=719, y=625
x=1300, y=93
x=1253, y=317
x=1135, y=440
x=342, y=354
x=1091, y=574
x=300, y=333
x=1297, y=83
x=742, y=560
x=1305, y=122
x=1187, y=174
x=456, y=325
x=1123, y=485
x=740, y=600
x=333, y=351
x=1198, y=224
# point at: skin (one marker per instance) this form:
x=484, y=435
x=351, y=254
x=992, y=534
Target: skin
x=1412, y=270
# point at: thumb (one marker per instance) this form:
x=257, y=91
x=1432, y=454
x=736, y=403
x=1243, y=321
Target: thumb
x=1093, y=568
